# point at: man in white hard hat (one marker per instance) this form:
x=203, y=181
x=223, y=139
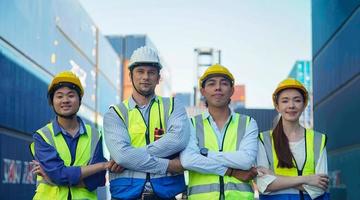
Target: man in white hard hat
x=144, y=134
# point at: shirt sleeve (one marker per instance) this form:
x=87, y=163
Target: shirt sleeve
x=263, y=181
x=191, y=159
x=245, y=156
x=177, y=134
x=321, y=168
x=98, y=179
x=118, y=142
x=53, y=165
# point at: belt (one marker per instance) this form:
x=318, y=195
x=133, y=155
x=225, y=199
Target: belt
x=149, y=196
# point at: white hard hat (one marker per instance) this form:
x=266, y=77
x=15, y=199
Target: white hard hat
x=144, y=56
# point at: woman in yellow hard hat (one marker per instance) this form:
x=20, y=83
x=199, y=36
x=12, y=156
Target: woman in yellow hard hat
x=292, y=160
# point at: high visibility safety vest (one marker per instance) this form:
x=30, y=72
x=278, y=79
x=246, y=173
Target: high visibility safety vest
x=315, y=143
x=210, y=186
x=84, y=152
x=130, y=184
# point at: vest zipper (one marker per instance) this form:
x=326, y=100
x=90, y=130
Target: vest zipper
x=147, y=136
x=300, y=172
x=69, y=193
x=71, y=164
x=221, y=178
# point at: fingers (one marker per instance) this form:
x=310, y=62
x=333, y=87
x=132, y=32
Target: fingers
x=36, y=167
x=254, y=171
x=114, y=167
x=37, y=170
x=110, y=164
x=263, y=171
x=119, y=169
x=324, y=182
x=319, y=180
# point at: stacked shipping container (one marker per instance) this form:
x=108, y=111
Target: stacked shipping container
x=37, y=40
x=336, y=64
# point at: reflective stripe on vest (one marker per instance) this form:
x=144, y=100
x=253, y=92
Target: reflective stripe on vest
x=314, y=144
x=215, y=187
x=209, y=186
x=84, y=154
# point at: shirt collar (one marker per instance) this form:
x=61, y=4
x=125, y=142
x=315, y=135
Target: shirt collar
x=57, y=128
x=132, y=102
x=207, y=115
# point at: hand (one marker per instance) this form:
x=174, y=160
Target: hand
x=175, y=166
x=244, y=175
x=264, y=171
x=318, y=180
x=38, y=170
x=112, y=166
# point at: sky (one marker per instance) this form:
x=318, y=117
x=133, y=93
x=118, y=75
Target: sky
x=260, y=40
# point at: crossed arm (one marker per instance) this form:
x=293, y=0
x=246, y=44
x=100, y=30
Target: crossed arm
x=149, y=159
x=49, y=165
x=315, y=185
x=237, y=164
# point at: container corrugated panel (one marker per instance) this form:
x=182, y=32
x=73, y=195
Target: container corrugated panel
x=109, y=63
x=338, y=116
x=17, y=180
x=327, y=16
x=336, y=91
x=30, y=38
x=75, y=23
x=24, y=101
x=107, y=94
x=344, y=174
x=263, y=117
x=339, y=61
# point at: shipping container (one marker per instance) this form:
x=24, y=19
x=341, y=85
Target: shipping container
x=17, y=180
x=339, y=61
x=327, y=19
x=336, y=75
x=38, y=39
x=263, y=117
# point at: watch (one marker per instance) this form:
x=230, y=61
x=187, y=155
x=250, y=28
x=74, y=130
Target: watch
x=204, y=151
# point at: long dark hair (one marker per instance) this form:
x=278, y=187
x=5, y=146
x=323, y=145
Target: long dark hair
x=282, y=148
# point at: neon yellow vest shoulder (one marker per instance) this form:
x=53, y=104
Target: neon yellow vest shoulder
x=84, y=152
x=140, y=133
x=209, y=186
x=315, y=143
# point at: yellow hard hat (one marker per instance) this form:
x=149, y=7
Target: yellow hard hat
x=290, y=83
x=66, y=77
x=216, y=69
